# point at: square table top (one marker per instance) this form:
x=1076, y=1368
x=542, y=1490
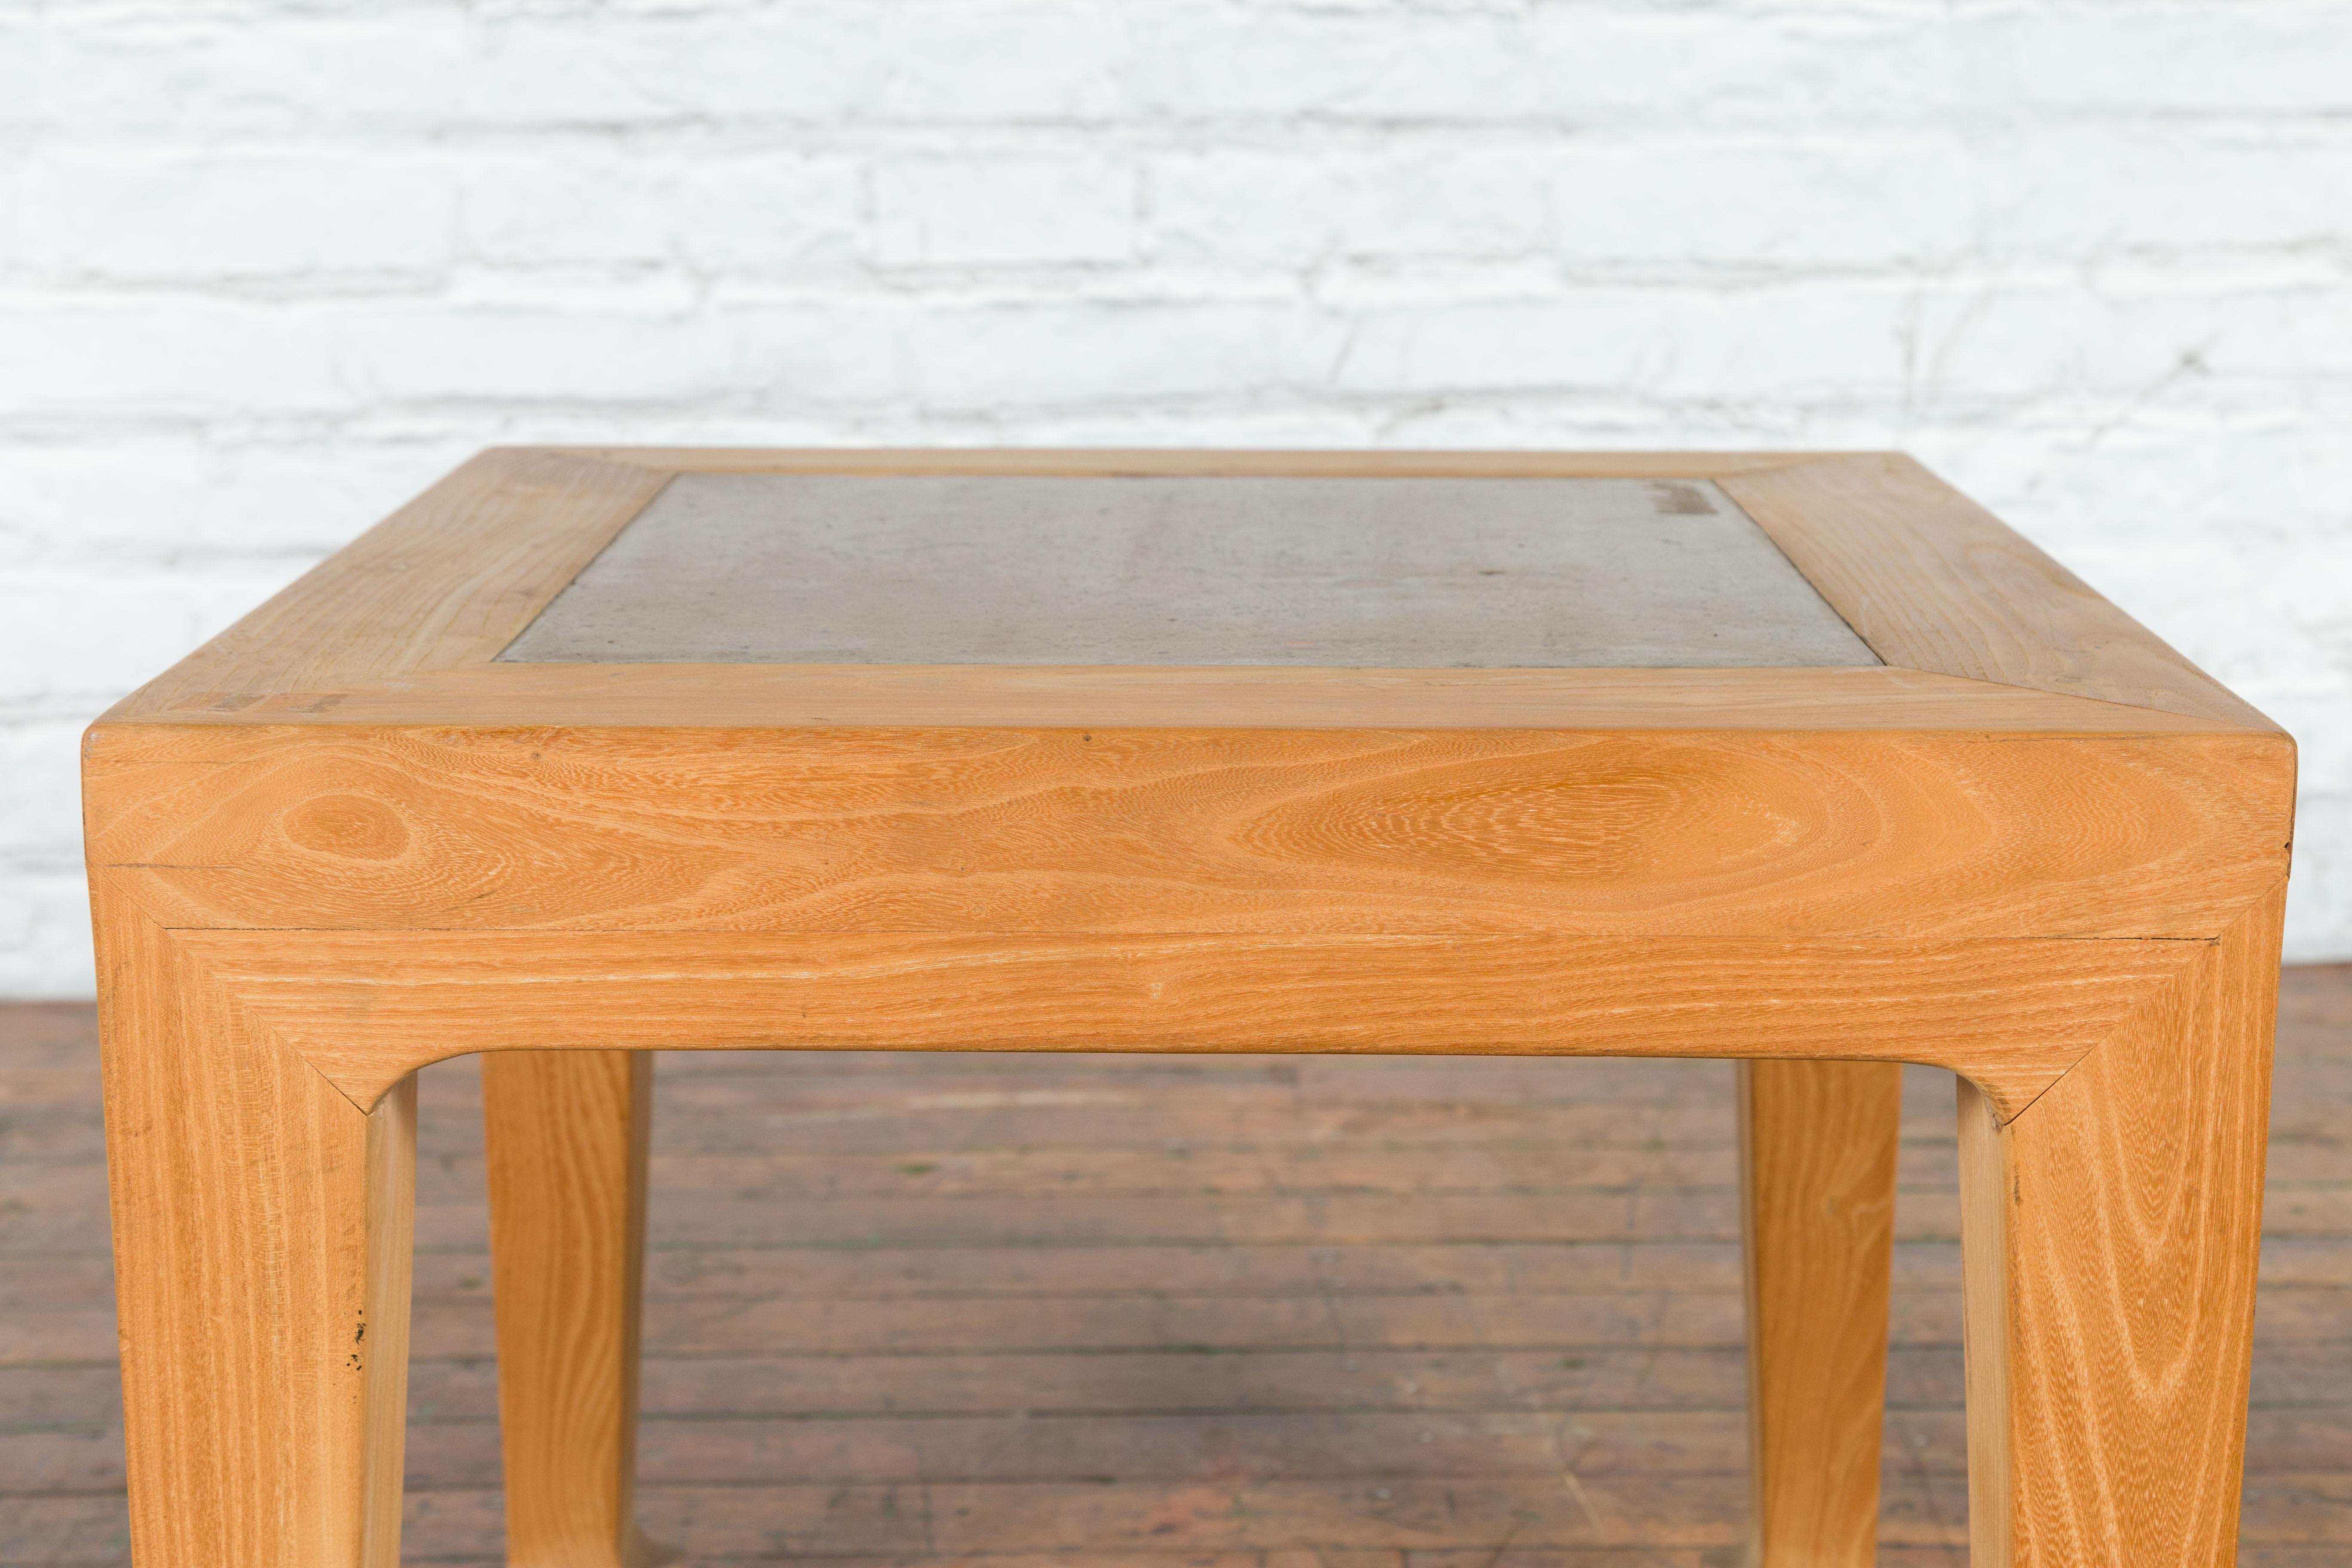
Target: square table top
x=1615, y=753
x=1241, y=589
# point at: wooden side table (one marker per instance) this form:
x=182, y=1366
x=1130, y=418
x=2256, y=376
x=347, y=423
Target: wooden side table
x=1804, y=760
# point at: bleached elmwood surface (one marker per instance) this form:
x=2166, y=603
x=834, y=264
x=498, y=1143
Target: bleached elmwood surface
x=266, y=269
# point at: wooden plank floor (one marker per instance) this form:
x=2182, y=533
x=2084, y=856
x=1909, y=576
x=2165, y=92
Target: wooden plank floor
x=1228, y=1312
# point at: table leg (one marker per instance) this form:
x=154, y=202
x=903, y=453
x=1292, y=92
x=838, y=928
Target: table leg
x=567, y=1133
x=262, y=1231
x=1817, y=1145
x=2109, y=1234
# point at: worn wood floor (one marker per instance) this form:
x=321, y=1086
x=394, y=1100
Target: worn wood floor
x=1275, y=1312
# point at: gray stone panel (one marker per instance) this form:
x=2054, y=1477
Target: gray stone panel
x=1387, y=573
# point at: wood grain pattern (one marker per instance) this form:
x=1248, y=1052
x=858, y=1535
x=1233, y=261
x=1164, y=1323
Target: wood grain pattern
x=1818, y=1146
x=2111, y=1231
x=1934, y=582
x=1620, y=1357
x=391, y=1156
x=447, y=580
x=565, y=1135
x=960, y=696
x=1800, y=834
x=340, y=842
x=365, y=1008
x=261, y=1243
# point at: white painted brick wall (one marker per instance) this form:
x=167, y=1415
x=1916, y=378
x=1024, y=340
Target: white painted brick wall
x=266, y=269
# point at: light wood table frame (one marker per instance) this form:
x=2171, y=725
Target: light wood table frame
x=2035, y=847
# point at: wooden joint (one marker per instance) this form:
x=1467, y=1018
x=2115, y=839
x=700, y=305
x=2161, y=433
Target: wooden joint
x=2161, y=992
